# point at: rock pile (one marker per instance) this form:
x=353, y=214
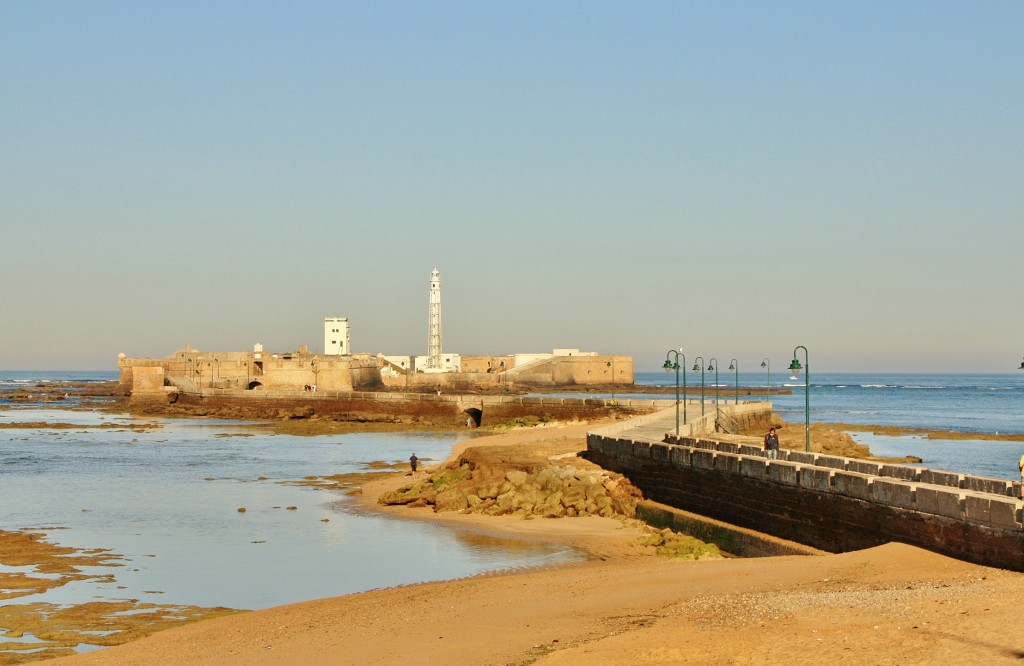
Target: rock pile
x=553, y=491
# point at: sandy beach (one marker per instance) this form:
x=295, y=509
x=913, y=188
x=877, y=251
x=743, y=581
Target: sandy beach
x=894, y=604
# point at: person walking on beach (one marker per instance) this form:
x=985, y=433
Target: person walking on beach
x=771, y=445
x=412, y=461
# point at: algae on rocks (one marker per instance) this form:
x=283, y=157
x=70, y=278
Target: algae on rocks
x=675, y=544
x=552, y=492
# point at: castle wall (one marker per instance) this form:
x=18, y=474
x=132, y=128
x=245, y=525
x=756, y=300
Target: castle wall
x=579, y=370
x=148, y=379
x=483, y=371
x=192, y=370
x=486, y=364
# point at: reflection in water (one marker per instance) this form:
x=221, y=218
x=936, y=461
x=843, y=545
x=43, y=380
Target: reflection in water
x=481, y=542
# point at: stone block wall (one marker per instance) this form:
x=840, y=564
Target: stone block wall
x=148, y=380
x=495, y=409
x=825, y=502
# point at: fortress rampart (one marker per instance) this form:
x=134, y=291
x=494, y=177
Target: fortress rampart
x=192, y=371
x=480, y=371
x=455, y=407
x=828, y=502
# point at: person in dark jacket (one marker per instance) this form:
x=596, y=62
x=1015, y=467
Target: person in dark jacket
x=412, y=461
x=771, y=444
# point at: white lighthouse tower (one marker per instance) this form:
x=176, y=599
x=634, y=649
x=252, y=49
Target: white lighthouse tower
x=434, y=322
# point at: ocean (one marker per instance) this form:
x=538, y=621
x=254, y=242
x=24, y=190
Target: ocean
x=970, y=403
x=165, y=493
x=960, y=402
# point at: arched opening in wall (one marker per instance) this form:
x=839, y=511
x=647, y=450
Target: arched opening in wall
x=475, y=414
x=253, y=385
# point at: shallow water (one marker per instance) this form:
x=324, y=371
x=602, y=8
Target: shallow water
x=994, y=459
x=167, y=499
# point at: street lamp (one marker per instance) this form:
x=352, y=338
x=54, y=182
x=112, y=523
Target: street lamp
x=796, y=367
x=713, y=365
x=735, y=365
x=766, y=364
x=611, y=364
x=315, y=366
x=504, y=379
x=669, y=367
x=696, y=367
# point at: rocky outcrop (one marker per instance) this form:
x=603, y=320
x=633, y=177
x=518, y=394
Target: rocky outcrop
x=539, y=490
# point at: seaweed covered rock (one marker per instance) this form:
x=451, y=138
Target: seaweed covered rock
x=675, y=544
x=489, y=485
x=427, y=490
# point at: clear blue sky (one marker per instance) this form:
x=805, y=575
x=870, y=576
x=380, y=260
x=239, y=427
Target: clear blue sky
x=737, y=178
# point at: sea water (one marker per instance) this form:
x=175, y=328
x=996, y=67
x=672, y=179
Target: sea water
x=968, y=403
x=165, y=494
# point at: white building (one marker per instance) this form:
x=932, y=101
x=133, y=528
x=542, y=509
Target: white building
x=336, y=336
x=442, y=363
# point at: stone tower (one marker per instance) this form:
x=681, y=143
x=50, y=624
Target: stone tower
x=434, y=322
x=336, y=336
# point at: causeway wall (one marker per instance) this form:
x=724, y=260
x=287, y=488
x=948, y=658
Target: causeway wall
x=491, y=407
x=832, y=503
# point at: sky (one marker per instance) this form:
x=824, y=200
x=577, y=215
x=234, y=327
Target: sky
x=730, y=178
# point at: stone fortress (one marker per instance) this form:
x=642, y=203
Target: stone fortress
x=338, y=369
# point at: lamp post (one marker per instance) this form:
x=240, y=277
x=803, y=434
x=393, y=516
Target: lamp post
x=713, y=365
x=315, y=366
x=504, y=379
x=696, y=367
x=611, y=364
x=669, y=366
x=735, y=365
x=765, y=363
x=796, y=367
